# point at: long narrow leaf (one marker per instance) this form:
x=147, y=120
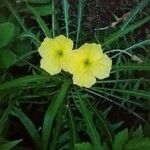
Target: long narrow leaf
x=53, y=19
x=41, y=22
x=133, y=93
x=71, y=124
x=15, y=13
x=59, y=119
x=134, y=13
x=51, y=114
x=28, y=124
x=115, y=36
x=95, y=138
x=66, y=15
x=103, y=123
x=9, y=145
x=5, y=115
x=23, y=81
x=80, y=13
x=132, y=66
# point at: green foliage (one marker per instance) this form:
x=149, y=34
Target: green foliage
x=40, y=21
x=132, y=66
x=120, y=140
x=6, y=33
x=66, y=15
x=51, y=114
x=30, y=127
x=89, y=122
x=38, y=1
x=9, y=145
x=120, y=33
x=138, y=144
x=134, y=13
x=83, y=146
x=7, y=58
x=42, y=10
x=72, y=118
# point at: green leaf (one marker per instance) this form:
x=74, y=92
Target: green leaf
x=6, y=33
x=57, y=128
x=138, y=143
x=140, y=93
x=28, y=124
x=71, y=124
x=115, y=36
x=9, y=145
x=23, y=81
x=51, y=114
x=42, y=10
x=138, y=132
x=103, y=123
x=21, y=48
x=83, y=146
x=40, y=21
x=31, y=36
x=7, y=58
x=5, y=115
x=79, y=18
x=134, y=13
x=120, y=139
x=38, y=1
x=132, y=66
x=66, y=15
x=91, y=129
x=15, y=13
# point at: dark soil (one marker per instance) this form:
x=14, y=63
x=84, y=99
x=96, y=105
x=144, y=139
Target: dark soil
x=99, y=13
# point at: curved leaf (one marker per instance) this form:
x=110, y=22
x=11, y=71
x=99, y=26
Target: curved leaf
x=28, y=124
x=6, y=33
x=51, y=114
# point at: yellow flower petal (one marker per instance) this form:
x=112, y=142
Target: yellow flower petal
x=45, y=48
x=84, y=79
x=57, y=50
x=101, y=68
x=50, y=66
x=87, y=63
x=65, y=44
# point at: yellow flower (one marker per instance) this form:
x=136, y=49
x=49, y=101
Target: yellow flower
x=54, y=53
x=88, y=63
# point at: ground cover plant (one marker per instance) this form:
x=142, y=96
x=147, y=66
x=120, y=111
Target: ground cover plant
x=49, y=99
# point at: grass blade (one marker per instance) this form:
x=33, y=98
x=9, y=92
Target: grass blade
x=41, y=22
x=23, y=81
x=53, y=19
x=28, y=124
x=133, y=93
x=5, y=115
x=59, y=119
x=134, y=13
x=51, y=114
x=89, y=123
x=15, y=13
x=132, y=66
x=71, y=124
x=9, y=145
x=32, y=37
x=80, y=13
x=115, y=36
x=66, y=15
x=103, y=123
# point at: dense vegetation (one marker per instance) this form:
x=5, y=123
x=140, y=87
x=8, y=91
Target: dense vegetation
x=40, y=111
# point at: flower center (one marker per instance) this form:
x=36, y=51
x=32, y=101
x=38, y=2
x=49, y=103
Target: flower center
x=87, y=62
x=60, y=53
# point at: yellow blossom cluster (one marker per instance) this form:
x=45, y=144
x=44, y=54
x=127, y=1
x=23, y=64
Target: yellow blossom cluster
x=85, y=63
